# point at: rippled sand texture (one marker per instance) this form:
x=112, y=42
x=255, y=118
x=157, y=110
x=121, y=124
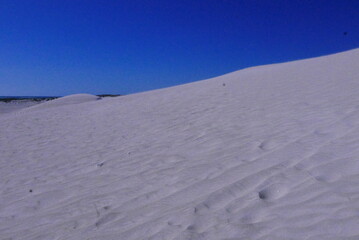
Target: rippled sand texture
x=269, y=152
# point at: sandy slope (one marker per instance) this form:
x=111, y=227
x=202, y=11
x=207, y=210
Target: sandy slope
x=6, y=107
x=270, y=152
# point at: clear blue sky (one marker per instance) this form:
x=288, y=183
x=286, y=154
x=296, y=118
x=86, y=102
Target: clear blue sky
x=60, y=47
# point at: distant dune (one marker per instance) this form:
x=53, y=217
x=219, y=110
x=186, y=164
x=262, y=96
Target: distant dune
x=268, y=152
x=11, y=104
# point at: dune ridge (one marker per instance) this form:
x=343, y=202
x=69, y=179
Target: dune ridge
x=269, y=152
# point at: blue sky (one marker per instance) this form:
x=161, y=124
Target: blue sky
x=60, y=47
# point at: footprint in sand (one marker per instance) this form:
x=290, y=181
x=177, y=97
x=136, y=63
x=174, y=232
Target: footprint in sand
x=273, y=192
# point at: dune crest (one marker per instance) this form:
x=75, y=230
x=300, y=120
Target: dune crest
x=269, y=152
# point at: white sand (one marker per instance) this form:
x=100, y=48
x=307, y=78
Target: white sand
x=272, y=155
x=6, y=107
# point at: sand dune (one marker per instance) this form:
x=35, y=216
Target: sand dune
x=269, y=152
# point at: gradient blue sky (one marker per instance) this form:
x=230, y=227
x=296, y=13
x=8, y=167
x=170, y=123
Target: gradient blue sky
x=62, y=47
